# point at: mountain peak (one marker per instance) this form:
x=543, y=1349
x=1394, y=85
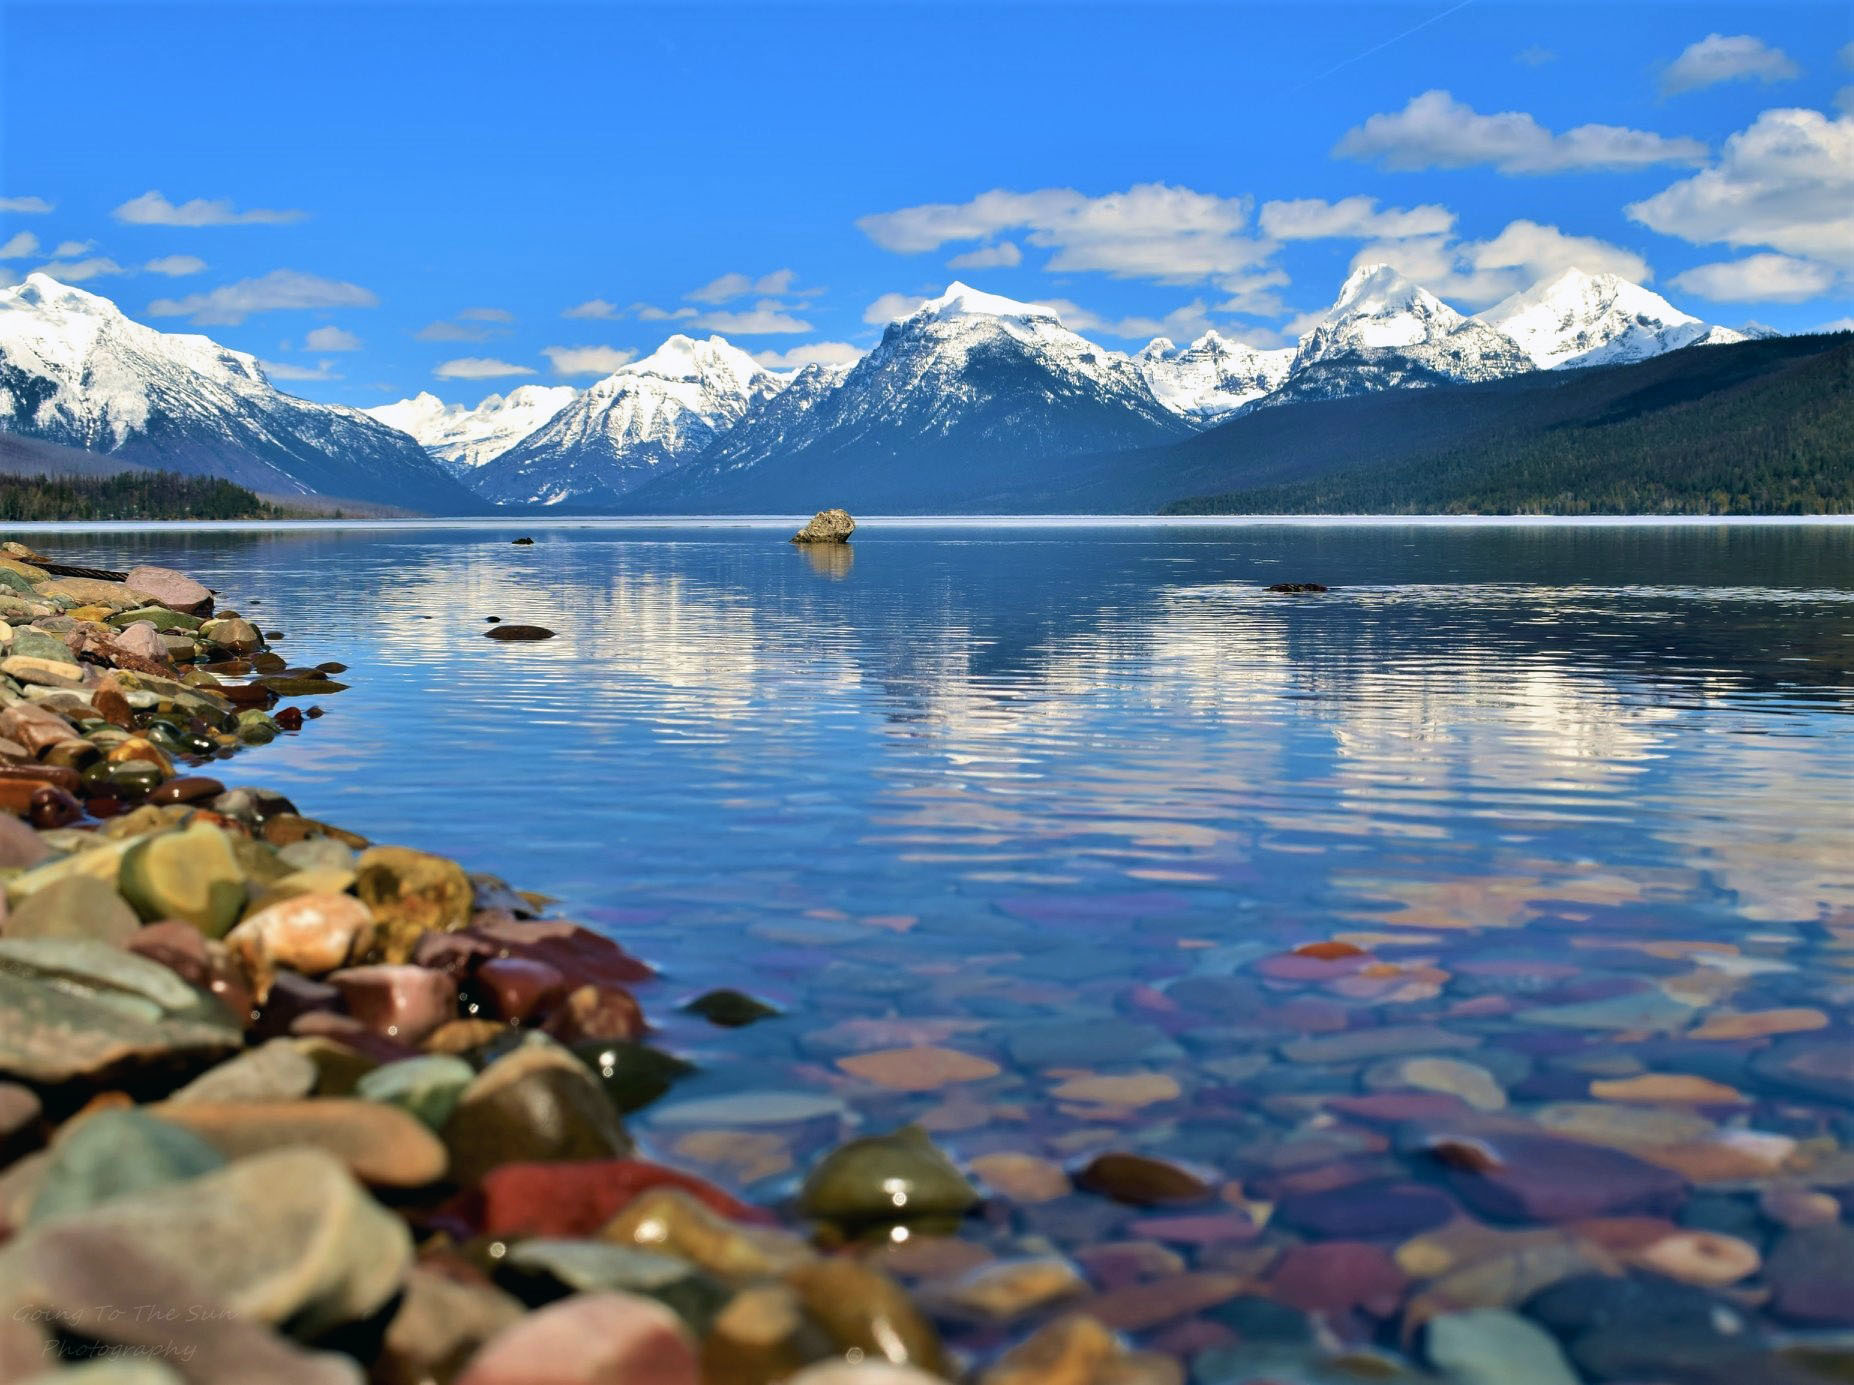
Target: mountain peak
x=1577, y=318
x=39, y=290
x=1380, y=288
x=962, y=300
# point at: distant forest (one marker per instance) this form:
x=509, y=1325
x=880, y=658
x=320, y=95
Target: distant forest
x=128, y=495
x=1700, y=443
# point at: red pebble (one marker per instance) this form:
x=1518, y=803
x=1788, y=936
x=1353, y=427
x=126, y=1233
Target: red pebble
x=577, y=1198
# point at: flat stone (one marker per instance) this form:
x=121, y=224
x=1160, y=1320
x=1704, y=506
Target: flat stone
x=1820, y=1065
x=1623, y=1127
x=1759, y=1024
x=1363, y=1210
x=1475, y=1085
x=1649, y=1010
x=1004, y=1291
x=1490, y=1346
x=1354, y=1045
x=78, y=906
x=273, y=1071
x=1699, y=1257
x=536, y=1103
x=377, y=1144
x=1138, y=1307
x=1647, y=1328
x=1132, y=1090
x=167, y=587
x=282, y=1237
x=113, y=1154
x=920, y=1069
x=580, y=1198
x=1811, y=1272
x=1337, y=1276
x=1023, y=1177
x=589, y=1339
x=51, y=1033
x=1085, y=1043
x=1670, y=1087
x=1536, y=1178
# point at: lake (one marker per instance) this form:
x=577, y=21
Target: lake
x=1565, y=803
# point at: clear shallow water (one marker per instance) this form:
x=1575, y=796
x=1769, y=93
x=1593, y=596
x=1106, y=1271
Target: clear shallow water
x=1052, y=796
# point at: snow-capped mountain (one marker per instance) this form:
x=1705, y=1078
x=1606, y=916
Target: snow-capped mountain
x=965, y=392
x=74, y=370
x=637, y=423
x=771, y=425
x=463, y=438
x=1212, y=376
x=1385, y=332
x=1579, y=319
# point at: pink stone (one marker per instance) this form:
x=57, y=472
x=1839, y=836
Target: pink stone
x=516, y=988
x=1291, y=966
x=1335, y=1276
x=402, y=1002
x=1210, y=1229
x=589, y=1339
x=143, y=640
x=172, y=589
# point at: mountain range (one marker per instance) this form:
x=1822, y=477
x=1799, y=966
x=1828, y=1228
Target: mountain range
x=969, y=394
x=76, y=372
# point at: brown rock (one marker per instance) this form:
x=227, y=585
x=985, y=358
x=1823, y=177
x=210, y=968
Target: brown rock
x=411, y=894
x=1141, y=1180
x=403, y=1002
x=381, y=1145
x=920, y=1069
x=865, y=1311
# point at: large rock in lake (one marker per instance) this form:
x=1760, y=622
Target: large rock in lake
x=827, y=526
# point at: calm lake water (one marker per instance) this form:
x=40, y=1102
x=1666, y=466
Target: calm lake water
x=1054, y=797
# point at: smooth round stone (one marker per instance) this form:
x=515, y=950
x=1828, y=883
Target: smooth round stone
x=1647, y=1328
x=1622, y=1126
x=519, y=632
x=282, y=1237
x=589, y=1339
x=546, y=1268
x=1023, y=1177
x=78, y=906
x=924, y=1068
x=168, y=587
x=1699, y=1257
x=309, y=934
x=672, y=1222
x=403, y=1002
x=1815, y=1064
x=1364, y=1210
x=192, y=875
x=378, y=1144
x=750, y=1108
x=20, y=846
x=537, y=1103
x=1490, y=1346
x=426, y=1088
x=1795, y=1207
x=596, y=1014
x=1141, y=1180
x=1681, y=1089
x=1811, y=1273
x=580, y=1198
x=1759, y=1024
x=886, y=1178
x=1073, y=1348
x=115, y=1153
x=193, y=788
x=273, y=1071
x=439, y=1325
x=633, y=1074
x=1518, y=1177
x=730, y=1009
x=866, y=1312
x=1469, y=1081
x=763, y=1334
x=1378, y=1041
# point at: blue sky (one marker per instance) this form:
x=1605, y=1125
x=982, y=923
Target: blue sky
x=377, y=199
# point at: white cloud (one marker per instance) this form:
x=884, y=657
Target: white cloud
x=891, y=307
x=1786, y=181
x=283, y=370
x=1253, y=294
x=780, y=281
x=1437, y=131
x=1181, y=324
x=1840, y=324
x=1313, y=218
x=19, y=245
x=478, y=368
x=152, y=209
x=1481, y=272
x=1003, y=255
x=68, y=249
x=731, y=286
x=453, y=331
x=593, y=308
x=331, y=339
x=586, y=360
x=175, y=266
x=810, y=353
x=25, y=206
x=1764, y=278
x=648, y=313
x=1727, y=58
x=765, y=318
x=1150, y=231
x=77, y=271
x=230, y=304
x=501, y=315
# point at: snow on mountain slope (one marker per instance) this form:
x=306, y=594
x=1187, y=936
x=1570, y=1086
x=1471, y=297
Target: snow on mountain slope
x=1384, y=332
x=965, y=386
x=463, y=438
x=1212, y=376
x=75, y=371
x=1579, y=319
x=641, y=421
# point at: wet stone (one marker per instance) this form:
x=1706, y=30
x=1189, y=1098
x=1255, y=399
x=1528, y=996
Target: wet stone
x=537, y=1103
x=863, y=1311
x=544, y=1269
x=896, y=1177
x=274, y=1071
x=1141, y=1180
x=78, y=906
x=730, y=1009
x=589, y=1339
x=1338, y=1276
x=579, y=1198
x=1365, y=1210
x=1811, y=1273
x=427, y=1088
x=113, y=1154
x=1515, y=1177
x=1355, y=1045
x=377, y=1144
x=1490, y=1346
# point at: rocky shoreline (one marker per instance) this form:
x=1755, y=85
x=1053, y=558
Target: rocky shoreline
x=278, y=1103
